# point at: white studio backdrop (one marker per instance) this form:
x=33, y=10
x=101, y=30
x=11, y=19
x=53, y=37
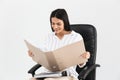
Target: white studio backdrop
x=29, y=19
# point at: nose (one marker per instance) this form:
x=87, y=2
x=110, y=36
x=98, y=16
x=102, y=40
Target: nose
x=56, y=27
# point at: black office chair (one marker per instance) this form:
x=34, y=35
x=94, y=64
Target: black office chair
x=89, y=34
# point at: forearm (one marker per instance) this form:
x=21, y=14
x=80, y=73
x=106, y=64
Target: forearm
x=82, y=65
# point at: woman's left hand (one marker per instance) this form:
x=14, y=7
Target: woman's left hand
x=86, y=55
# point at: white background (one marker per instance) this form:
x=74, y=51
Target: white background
x=29, y=19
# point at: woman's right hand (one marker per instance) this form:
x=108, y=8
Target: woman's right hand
x=30, y=53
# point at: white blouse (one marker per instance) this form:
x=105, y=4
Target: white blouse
x=53, y=42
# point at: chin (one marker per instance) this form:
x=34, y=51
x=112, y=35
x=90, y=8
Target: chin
x=56, y=32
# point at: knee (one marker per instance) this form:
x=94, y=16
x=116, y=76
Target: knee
x=48, y=79
x=32, y=78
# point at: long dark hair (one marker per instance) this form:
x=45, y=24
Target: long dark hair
x=62, y=15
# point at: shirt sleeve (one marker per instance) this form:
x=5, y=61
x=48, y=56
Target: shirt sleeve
x=81, y=66
x=78, y=38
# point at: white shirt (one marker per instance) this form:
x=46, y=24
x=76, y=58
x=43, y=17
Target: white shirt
x=53, y=42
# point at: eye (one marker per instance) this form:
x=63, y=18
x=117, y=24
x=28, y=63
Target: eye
x=53, y=23
x=58, y=24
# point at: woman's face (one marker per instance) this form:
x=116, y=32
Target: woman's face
x=57, y=25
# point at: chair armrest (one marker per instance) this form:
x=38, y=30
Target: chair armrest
x=33, y=69
x=83, y=74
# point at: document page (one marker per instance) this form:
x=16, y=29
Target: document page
x=39, y=55
x=70, y=55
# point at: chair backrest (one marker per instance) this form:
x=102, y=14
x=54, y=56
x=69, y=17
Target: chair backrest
x=89, y=35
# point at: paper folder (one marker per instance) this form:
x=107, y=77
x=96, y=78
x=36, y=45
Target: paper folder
x=61, y=58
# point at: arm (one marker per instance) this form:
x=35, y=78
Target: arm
x=85, y=55
x=82, y=65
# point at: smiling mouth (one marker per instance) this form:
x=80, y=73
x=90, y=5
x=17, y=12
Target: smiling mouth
x=56, y=30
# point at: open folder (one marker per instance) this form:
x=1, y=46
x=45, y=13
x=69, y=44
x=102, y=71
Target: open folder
x=61, y=58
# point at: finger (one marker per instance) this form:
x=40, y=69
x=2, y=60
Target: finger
x=88, y=55
x=83, y=55
x=30, y=53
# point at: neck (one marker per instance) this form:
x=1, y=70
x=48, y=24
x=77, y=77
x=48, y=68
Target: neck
x=61, y=35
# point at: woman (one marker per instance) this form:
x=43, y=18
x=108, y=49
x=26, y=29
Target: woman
x=62, y=35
